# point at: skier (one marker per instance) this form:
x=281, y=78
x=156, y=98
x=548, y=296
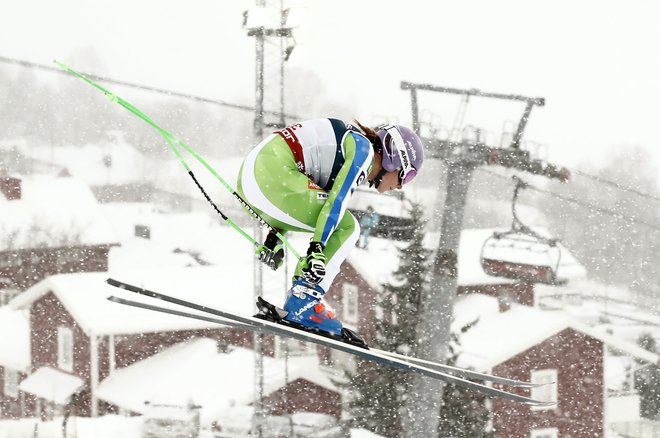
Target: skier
x=368, y=222
x=301, y=178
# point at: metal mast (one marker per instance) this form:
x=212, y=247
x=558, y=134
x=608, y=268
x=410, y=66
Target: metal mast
x=462, y=157
x=267, y=24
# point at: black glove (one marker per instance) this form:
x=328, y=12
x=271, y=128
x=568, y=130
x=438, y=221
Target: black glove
x=313, y=269
x=271, y=253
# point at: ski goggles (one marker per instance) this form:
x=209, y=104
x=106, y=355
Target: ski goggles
x=408, y=171
x=405, y=178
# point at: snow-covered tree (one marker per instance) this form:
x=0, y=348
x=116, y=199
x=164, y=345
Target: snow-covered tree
x=379, y=392
x=463, y=412
x=647, y=381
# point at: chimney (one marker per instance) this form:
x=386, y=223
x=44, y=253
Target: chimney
x=11, y=188
x=505, y=300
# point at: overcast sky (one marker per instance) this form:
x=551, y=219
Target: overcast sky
x=597, y=63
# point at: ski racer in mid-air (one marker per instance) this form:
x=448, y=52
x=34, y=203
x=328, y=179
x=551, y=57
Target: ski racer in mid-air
x=301, y=178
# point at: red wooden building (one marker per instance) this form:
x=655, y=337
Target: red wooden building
x=513, y=338
x=75, y=332
x=14, y=360
x=527, y=343
x=218, y=379
x=49, y=225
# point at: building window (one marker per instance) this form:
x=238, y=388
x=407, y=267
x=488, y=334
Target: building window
x=292, y=347
x=350, y=292
x=394, y=320
x=10, y=259
x=548, y=390
x=143, y=231
x=11, y=383
x=71, y=255
x=6, y=295
x=65, y=348
x=545, y=433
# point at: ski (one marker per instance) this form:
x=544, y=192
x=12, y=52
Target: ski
x=462, y=372
x=459, y=372
x=264, y=326
x=272, y=313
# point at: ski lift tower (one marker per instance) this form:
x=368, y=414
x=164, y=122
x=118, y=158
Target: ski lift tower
x=272, y=28
x=462, y=157
x=270, y=25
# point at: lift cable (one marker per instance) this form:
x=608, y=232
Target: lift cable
x=615, y=185
x=164, y=91
x=172, y=93
x=587, y=205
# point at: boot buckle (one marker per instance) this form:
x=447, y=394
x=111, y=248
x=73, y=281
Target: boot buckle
x=300, y=291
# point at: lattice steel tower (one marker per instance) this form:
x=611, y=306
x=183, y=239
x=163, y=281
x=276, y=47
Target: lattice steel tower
x=267, y=23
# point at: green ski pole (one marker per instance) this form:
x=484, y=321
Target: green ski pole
x=174, y=144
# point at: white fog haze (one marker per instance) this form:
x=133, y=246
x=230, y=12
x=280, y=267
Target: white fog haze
x=509, y=290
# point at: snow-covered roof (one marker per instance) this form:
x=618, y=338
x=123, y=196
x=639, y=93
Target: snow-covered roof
x=499, y=336
x=105, y=426
x=377, y=263
x=227, y=283
x=175, y=239
x=196, y=371
x=14, y=349
x=614, y=309
x=111, y=162
x=138, y=253
x=619, y=344
x=386, y=205
x=52, y=211
x=380, y=259
x=207, y=237
x=363, y=433
x=84, y=295
x=173, y=178
x=586, y=288
x=617, y=369
x=52, y=385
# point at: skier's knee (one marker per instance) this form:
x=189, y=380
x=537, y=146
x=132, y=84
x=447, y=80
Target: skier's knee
x=355, y=234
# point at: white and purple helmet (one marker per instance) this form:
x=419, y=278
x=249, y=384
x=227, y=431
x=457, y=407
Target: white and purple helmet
x=403, y=149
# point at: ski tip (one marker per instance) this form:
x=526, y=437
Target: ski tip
x=113, y=298
x=525, y=384
x=540, y=404
x=115, y=283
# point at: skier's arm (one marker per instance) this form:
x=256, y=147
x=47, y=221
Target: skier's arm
x=358, y=156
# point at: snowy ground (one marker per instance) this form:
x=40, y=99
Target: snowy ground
x=110, y=426
x=113, y=426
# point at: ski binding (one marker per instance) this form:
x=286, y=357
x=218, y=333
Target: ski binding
x=272, y=313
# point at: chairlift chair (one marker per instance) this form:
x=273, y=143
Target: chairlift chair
x=521, y=253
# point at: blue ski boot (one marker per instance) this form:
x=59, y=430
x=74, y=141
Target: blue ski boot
x=303, y=305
